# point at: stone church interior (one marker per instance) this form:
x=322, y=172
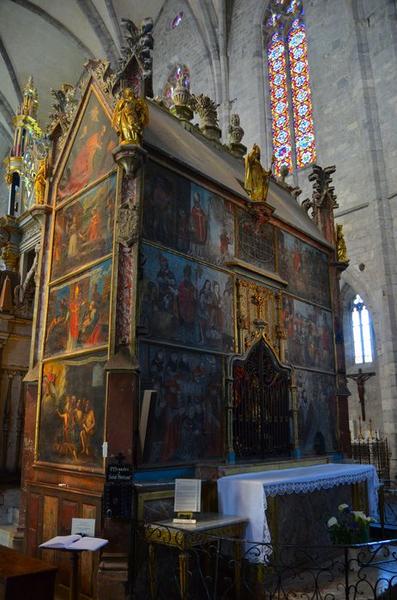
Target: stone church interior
x=198, y=367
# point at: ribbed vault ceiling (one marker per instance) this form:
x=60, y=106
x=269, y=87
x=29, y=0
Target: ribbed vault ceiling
x=51, y=40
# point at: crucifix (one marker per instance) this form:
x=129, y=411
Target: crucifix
x=360, y=378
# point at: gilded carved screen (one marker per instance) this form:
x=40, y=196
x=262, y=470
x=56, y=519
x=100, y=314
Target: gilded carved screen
x=73, y=380
x=255, y=303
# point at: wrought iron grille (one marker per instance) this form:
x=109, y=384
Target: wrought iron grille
x=374, y=452
x=261, y=419
x=221, y=568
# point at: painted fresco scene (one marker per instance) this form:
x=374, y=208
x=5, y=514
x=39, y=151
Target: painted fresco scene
x=187, y=217
x=305, y=268
x=316, y=395
x=78, y=312
x=309, y=335
x=255, y=241
x=84, y=229
x=184, y=301
x=185, y=420
x=72, y=411
x=91, y=154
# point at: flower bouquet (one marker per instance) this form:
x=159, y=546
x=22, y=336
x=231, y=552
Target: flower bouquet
x=351, y=526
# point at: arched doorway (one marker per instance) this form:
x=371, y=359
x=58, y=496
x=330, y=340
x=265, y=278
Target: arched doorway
x=262, y=415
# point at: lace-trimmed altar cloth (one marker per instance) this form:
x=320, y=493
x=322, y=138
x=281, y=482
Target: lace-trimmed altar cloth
x=245, y=494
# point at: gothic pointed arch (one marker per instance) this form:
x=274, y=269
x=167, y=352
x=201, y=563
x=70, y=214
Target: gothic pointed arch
x=261, y=406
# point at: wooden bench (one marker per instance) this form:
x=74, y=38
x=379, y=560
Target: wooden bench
x=25, y=577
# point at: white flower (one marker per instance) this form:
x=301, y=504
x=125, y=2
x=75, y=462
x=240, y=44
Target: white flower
x=342, y=507
x=359, y=515
x=332, y=521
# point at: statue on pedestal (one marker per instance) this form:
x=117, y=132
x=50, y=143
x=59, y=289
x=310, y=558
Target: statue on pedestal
x=341, y=250
x=130, y=116
x=257, y=178
x=40, y=182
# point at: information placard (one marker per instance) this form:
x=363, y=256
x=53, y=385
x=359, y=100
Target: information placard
x=187, y=495
x=83, y=527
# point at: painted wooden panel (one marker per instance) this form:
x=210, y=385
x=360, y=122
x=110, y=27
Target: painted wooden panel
x=78, y=312
x=186, y=419
x=186, y=302
x=91, y=153
x=72, y=411
x=84, y=229
x=305, y=268
x=186, y=217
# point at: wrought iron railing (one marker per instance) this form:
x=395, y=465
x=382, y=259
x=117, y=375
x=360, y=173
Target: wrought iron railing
x=169, y=564
x=373, y=452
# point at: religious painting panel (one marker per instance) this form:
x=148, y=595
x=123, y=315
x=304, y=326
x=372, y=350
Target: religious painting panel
x=72, y=409
x=184, y=301
x=91, y=153
x=316, y=396
x=310, y=337
x=255, y=304
x=187, y=217
x=84, y=228
x=255, y=240
x=185, y=422
x=78, y=312
x=305, y=268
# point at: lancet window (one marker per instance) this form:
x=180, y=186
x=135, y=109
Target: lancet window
x=362, y=338
x=289, y=85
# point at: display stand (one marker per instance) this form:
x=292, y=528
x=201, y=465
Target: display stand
x=66, y=544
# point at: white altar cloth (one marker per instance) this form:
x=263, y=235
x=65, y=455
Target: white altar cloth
x=245, y=494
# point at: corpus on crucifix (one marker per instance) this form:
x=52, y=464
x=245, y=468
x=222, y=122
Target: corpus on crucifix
x=360, y=378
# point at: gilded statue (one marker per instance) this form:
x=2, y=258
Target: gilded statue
x=257, y=178
x=341, y=250
x=40, y=181
x=130, y=116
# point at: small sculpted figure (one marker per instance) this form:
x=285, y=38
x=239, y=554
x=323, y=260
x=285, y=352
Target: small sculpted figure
x=130, y=116
x=256, y=177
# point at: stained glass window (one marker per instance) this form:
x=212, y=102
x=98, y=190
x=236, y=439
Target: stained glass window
x=178, y=72
x=361, y=332
x=301, y=95
x=281, y=127
x=290, y=94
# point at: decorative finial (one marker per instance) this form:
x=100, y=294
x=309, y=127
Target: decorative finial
x=236, y=134
x=256, y=181
x=130, y=116
x=341, y=250
x=30, y=100
x=207, y=111
x=182, y=100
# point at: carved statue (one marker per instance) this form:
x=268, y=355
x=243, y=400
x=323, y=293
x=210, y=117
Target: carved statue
x=235, y=131
x=40, y=182
x=21, y=289
x=130, y=116
x=257, y=178
x=341, y=250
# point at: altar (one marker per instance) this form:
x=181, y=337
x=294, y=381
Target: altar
x=276, y=514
